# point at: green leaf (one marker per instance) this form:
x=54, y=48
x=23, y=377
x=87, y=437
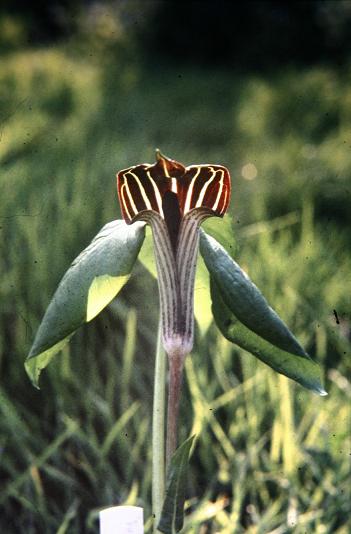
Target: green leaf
x=146, y=255
x=172, y=515
x=202, y=298
x=301, y=369
x=91, y=282
x=222, y=230
x=244, y=299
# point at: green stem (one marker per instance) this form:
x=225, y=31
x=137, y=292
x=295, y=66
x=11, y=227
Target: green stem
x=158, y=432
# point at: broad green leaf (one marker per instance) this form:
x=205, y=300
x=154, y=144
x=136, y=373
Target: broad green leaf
x=222, y=230
x=91, y=282
x=244, y=299
x=146, y=255
x=100, y=292
x=172, y=515
x=299, y=368
x=202, y=297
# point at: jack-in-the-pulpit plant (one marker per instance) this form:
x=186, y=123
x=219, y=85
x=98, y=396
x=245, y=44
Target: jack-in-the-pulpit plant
x=174, y=200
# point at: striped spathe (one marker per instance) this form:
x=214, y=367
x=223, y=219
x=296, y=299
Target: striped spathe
x=174, y=200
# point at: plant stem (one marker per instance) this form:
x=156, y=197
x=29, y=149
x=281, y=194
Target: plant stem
x=176, y=363
x=158, y=431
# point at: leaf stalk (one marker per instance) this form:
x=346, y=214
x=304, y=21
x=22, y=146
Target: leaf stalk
x=158, y=432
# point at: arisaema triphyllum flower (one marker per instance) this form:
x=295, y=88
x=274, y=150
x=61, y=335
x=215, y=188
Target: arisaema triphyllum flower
x=174, y=200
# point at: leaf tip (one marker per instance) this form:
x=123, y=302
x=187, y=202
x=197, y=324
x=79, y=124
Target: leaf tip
x=317, y=388
x=33, y=372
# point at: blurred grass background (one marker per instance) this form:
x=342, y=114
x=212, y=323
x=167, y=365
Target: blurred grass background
x=89, y=88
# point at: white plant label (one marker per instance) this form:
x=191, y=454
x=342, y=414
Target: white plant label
x=122, y=520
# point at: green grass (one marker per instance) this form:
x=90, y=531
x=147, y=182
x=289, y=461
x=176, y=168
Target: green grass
x=269, y=456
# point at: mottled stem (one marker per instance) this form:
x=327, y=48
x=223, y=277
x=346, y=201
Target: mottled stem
x=176, y=364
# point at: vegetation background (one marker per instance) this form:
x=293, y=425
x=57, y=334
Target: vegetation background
x=88, y=88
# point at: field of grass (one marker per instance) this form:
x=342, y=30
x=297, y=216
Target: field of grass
x=270, y=457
